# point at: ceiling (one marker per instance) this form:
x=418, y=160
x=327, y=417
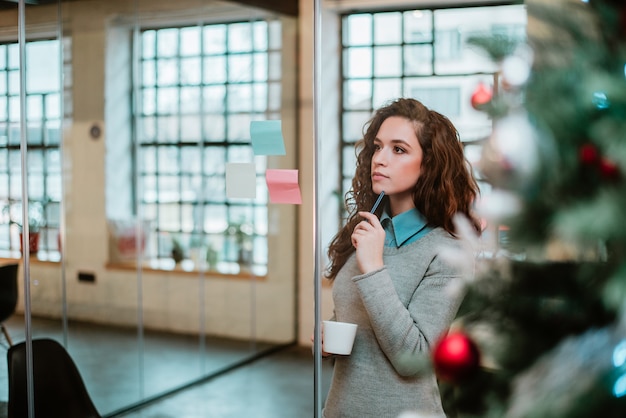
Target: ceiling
x=287, y=7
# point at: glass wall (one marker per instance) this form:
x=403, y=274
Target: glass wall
x=148, y=270
x=372, y=52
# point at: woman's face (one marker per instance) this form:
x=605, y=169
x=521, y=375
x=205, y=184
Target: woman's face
x=396, y=162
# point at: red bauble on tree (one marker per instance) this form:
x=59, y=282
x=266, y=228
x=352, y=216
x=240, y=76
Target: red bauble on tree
x=481, y=96
x=608, y=169
x=588, y=154
x=456, y=357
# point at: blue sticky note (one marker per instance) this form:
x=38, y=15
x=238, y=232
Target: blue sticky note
x=267, y=137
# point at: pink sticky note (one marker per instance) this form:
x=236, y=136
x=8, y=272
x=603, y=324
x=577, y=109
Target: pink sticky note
x=283, y=186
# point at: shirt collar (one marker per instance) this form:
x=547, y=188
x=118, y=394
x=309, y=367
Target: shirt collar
x=405, y=225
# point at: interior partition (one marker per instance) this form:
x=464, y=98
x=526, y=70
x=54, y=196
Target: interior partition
x=149, y=272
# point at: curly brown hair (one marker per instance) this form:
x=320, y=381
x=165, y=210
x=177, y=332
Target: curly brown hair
x=445, y=187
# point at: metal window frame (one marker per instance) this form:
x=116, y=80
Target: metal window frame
x=203, y=143
x=51, y=225
x=347, y=144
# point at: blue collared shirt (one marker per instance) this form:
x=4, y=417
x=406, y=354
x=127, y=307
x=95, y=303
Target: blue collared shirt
x=404, y=228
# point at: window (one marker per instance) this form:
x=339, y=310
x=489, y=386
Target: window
x=421, y=54
x=200, y=87
x=44, y=118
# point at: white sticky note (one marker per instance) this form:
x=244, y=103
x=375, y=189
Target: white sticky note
x=240, y=180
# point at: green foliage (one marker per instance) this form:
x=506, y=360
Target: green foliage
x=549, y=317
x=496, y=46
x=178, y=252
x=36, y=219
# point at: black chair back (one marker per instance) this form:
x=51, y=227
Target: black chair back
x=8, y=295
x=8, y=290
x=59, y=390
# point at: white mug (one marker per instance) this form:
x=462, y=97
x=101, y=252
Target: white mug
x=338, y=337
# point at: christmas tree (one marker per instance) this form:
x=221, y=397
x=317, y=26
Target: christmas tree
x=542, y=331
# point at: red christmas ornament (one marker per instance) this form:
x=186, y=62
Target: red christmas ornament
x=608, y=169
x=588, y=154
x=456, y=357
x=481, y=96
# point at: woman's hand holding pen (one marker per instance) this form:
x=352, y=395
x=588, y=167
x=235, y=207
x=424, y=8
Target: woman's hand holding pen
x=368, y=238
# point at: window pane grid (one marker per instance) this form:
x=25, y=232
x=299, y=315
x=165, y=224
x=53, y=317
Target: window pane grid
x=200, y=88
x=43, y=134
x=421, y=54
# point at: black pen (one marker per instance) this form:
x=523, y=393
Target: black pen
x=380, y=198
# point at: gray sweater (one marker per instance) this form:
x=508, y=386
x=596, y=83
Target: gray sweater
x=401, y=310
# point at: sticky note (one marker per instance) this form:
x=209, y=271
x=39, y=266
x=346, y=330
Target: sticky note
x=283, y=186
x=240, y=180
x=267, y=137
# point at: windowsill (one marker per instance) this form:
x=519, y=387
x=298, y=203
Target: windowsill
x=166, y=265
x=39, y=257
x=223, y=270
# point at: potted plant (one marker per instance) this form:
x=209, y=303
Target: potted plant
x=241, y=233
x=177, y=252
x=36, y=221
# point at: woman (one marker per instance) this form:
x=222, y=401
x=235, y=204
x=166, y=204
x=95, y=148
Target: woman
x=387, y=275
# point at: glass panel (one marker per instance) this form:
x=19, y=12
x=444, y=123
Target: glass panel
x=215, y=69
x=418, y=26
x=349, y=161
x=214, y=39
x=213, y=98
x=130, y=129
x=418, y=60
x=353, y=125
x=52, y=106
x=422, y=54
x=358, y=94
x=198, y=229
x=238, y=127
x=240, y=37
x=190, y=100
x=451, y=96
x=388, y=28
x=215, y=128
x=190, y=41
x=357, y=30
x=260, y=67
x=387, y=61
x=190, y=71
x=358, y=62
x=41, y=76
x=167, y=100
x=167, y=42
x=167, y=129
x=389, y=53
x=455, y=26
x=239, y=68
x=385, y=90
x=275, y=66
x=34, y=107
x=191, y=130
x=239, y=98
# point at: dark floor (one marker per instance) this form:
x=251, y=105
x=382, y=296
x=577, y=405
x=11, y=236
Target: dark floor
x=230, y=379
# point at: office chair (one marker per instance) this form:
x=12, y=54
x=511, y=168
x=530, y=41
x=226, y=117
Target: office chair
x=59, y=390
x=8, y=295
